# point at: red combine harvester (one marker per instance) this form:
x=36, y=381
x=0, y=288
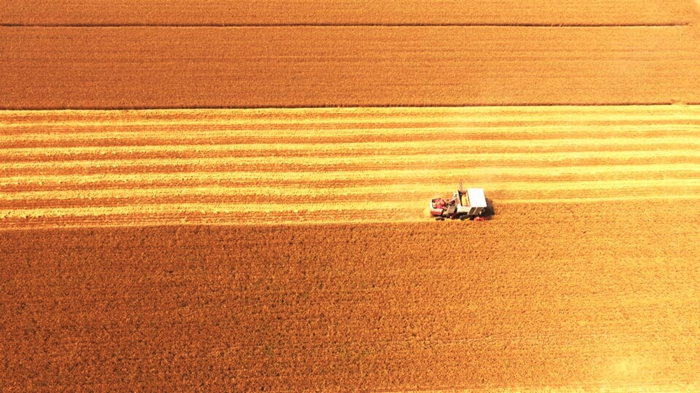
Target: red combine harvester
x=465, y=204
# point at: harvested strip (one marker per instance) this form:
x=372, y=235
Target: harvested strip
x=126, y=164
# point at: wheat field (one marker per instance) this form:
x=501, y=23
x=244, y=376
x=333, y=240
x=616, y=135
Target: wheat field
x=231, y=196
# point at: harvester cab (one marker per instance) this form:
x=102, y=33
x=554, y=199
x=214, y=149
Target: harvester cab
x=465, y=204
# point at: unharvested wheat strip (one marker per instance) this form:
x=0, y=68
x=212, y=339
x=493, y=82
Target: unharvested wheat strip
x=313, y=176
x=676, y=166
x=389, y=186
x=279, y=156
x=339, y=119
x=316, y=116
x=503, y=128
x=340, y=185
x=475, y=175
x=493, y=133
x=409, y=199
x=271, y=212
x=238, y=218
x=153, y=136
x=263, y=162
x=396, y=191
x=342, y=118
x=181, y=209
x=348, y=148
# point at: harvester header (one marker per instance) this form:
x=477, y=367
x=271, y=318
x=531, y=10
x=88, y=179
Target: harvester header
x=465, y=204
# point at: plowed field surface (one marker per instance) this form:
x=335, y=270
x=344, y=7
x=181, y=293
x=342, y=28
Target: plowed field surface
x=333, y=165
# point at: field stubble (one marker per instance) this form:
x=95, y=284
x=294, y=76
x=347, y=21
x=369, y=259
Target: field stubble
x=72, y=168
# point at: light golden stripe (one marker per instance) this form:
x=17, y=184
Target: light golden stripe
x=311, y=177
x=394, y=159
x=395, y=192
x=257, y=195
x=349, y=148
x=651, y=114
x=495, y=133
x=411, y=210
